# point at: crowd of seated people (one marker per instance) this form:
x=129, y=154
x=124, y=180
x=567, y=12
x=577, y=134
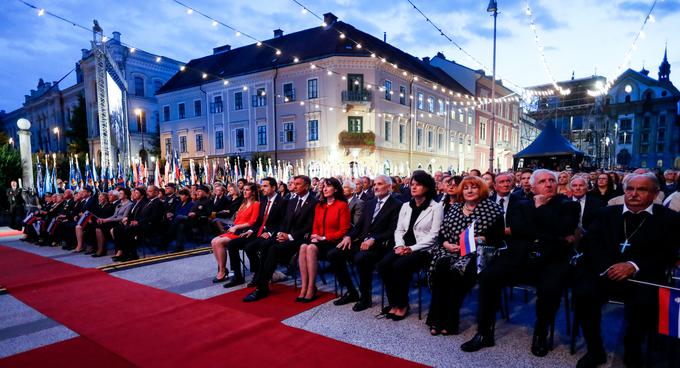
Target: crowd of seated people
x=586, y=231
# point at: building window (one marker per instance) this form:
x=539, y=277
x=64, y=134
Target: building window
x=183, y=144
x=168, y=145
x=627, y=98
x=260, y=98
x=219, y=140
x=626, y=124
x=288, y=92
x=419, y=136
x=157, y=84
x=644, y=138
x=139, y=86
x=166, y=113
x=660, y=148
x=470, y=118
x=262, y=135
x=388, y=90
x=645, y=122
x=644, y=148
x=313, y=88
x=288, y=132
x=355, y=124
x=461, y=116
x=197, y=108
x=421, y=99
x=141, y=121
x=181, y=111
x=430, y=138
x=625, y=138
x=240, y=138
x=216, y=107
x=440, y=141
x=482, y=131
x=430, y=104
x=402, y=95
x=442, y=108
x=313, y=130
x=662, y=121
x=388, y=131
x=199, y=142
x=402, y=133
x=238, y=101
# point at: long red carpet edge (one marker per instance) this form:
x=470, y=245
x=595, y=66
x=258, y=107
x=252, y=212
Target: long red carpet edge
x=149, y=327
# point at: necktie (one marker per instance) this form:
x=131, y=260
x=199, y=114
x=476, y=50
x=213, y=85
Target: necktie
x=501, y=202
x=264, y=220
x=377, y=209
x=298, y=205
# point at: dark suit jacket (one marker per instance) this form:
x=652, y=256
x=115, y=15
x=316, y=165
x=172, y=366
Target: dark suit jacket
x=653, y=248
x=592, y=207
x=512, y=202
x=275, y=217
x=299, y=225
x=382, y=229
x=220, y=204
x=367, y=196
x=545, y=227
x=151, y=215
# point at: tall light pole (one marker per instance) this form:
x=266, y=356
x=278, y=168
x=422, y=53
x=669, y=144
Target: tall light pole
x=56, y=131
x=493, y=9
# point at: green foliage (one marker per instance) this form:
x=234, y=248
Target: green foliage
x=77, y=130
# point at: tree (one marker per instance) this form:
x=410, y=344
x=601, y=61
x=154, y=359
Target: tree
x=10, y=168
x=77, y=129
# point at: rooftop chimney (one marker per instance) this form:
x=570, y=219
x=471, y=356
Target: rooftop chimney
x=116, y=36
x=278, y=33
x=426, y=59
x=329, y=18
x=221, y=49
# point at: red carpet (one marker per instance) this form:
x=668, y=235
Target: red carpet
x=76, y=352
x=10, y=233
x=150, y=327
x=279, y=305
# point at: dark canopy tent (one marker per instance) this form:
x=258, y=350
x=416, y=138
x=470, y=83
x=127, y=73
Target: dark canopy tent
x=549, y=150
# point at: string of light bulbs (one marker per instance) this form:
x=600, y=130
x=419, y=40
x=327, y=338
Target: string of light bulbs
x=523, y=91
x=472, y=103
x=541, y=51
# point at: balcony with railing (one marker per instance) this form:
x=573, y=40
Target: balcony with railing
x=360, y=140
x=357, y=96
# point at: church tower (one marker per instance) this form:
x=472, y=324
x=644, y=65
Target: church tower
x=665, y=68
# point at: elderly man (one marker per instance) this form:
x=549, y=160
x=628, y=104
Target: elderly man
x=669, y=177
x=635, y=240
x=589, y=204
x=366, y=189
x=538, y=253
x=356, y=205
x=366, y=243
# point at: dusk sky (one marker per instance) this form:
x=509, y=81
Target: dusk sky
x=579, y=35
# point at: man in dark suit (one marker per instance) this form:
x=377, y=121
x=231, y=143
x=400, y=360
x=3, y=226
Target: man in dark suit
x=504, y=198
x=272, y=210
x=86, y=201
x=589, y=205
x=366, y=189
x=356, y=205
x=296, y=227
x=143, y=222
x=524, y=189
x=16, y=206
x=636, y=240
x=366, y=243
x=220, y=206
x=540, y=229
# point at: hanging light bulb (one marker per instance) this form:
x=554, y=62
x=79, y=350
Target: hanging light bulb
x=190, y=11
x=214, y=23
x=278, y=52
x=259, y=43
x=238, y=33
x=41, y=12
x=296, y=60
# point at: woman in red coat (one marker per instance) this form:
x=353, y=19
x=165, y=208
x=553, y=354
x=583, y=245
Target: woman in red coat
x=331, y=223
x=245, y=218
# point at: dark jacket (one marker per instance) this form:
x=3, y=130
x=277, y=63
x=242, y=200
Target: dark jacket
x=275, y=217
x=382, y=229
x=299, y=225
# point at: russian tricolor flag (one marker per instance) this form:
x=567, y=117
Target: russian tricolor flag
x=52, y=227
x=467, y=241
x=669, y=312
x=85, y=218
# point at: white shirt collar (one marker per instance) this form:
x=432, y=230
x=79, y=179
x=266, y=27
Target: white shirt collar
x=648, y=209
x=304, y=197
x=272, y=198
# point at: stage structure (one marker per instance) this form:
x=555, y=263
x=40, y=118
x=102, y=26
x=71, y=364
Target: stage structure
x=111, y=105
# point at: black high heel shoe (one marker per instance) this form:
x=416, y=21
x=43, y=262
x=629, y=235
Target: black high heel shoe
x=395, y=317
x=313, y=298
x=217, y=280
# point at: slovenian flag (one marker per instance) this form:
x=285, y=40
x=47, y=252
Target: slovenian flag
x=30, y=219
x=669, y=312
x=85, y=218
x=467, y=241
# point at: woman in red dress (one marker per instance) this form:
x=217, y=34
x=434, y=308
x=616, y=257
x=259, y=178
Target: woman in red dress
x=245, y=218
x=331, y=223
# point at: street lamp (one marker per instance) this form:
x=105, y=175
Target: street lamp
x=11, y=141
x=493, y=9
x=56, y=131
x=140, y=124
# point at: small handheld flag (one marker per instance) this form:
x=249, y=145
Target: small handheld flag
x=85, y=218
x=30, y=219
x=669, y=312
x=467, y=241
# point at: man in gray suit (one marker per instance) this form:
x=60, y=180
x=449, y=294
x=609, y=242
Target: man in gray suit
x=356, y=205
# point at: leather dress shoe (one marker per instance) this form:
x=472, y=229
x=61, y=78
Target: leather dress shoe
x=255, y=296
x=361, y=305
x=346, y=299
x=234, y=282
x=97, y=255
x=592, y=360
x=539, y=344
x=477, y=343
